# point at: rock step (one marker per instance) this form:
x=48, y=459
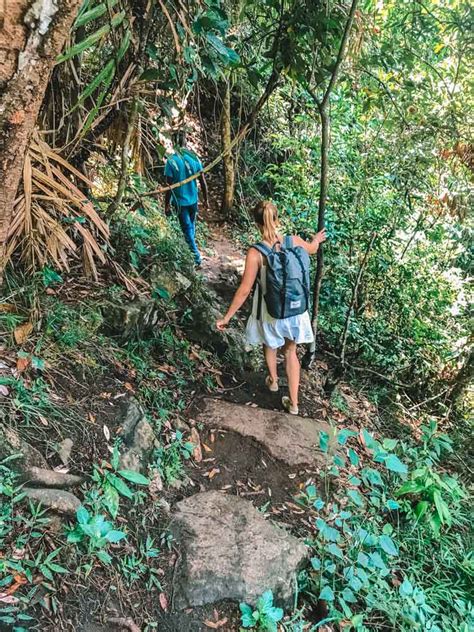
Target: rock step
x=49, y=478
x=56, y=500
x=292, y=439
x=230, y=551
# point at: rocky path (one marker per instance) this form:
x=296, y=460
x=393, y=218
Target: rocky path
x=237, y=536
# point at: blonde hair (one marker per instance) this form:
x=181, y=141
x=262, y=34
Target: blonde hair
x=266, y=216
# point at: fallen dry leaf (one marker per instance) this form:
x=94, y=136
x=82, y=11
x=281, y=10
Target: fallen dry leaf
x=22, y=332
x=128, y=386
x=6, y=308
x=4, y=390
x=215, y=625
x=6, y=598
x=196, y=441
x=106, y=432
x=212, y=473
x=206, y=447
x=22, y=364
x=163, y=601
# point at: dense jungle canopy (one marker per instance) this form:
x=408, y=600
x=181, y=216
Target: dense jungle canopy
x=355, y=116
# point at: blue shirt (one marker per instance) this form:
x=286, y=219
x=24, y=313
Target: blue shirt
x=178, y=167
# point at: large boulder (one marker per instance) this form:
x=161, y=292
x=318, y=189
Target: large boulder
x=137, y=436
x=230, y=551
x=171, y=281
x=201, y=328
x=128, y=320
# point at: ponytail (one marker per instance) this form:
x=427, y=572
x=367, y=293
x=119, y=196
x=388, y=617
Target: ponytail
x=266, y=216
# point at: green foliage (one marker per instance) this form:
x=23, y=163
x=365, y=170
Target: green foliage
x=265, y=616
x=376, y=558
x=112, y=483
x=169, y=459
x=431, y=495
x=95, y=534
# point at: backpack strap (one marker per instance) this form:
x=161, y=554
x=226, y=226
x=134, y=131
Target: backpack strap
x=265, y=250
x=287, y=241
x=303, y=274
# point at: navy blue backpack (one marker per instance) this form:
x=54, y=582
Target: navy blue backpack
x=287, y=276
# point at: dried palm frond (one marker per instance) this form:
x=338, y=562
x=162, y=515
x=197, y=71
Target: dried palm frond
x=53, y=219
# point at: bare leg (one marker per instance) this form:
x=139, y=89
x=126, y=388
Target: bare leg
x=271, y=360
x=292, y=366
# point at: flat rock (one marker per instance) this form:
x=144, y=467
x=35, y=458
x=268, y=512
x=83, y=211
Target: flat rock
x=49, y=478
x=138, y=438
x=55, y=499
x=230, y=551
x=292, y=439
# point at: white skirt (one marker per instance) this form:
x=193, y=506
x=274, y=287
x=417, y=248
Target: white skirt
x=272, y=332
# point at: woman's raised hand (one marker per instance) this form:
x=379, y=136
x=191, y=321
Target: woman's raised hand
x=222, y=323
x=321, y=236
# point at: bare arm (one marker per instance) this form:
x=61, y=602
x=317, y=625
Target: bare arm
x=205, y=193
x=312, y=246
x=252, y=265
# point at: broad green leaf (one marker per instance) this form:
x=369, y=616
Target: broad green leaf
x=353, y=457
x=224, y=51
x=355, y=496
x=120, y=485
x=333, y=549
x=377, y=561
x=323, y=440
x=82, y=515
x=316, y=563
x=394, y=464
x=388, y=545
x=111, y=500
x=115, y=536
x=405, y=589
x=327, y=594
x=372, y=476
x=344, y=434
x=134, y=477
x=349, y=596
x=104, y=557
x=318, y=503
x=265, y=601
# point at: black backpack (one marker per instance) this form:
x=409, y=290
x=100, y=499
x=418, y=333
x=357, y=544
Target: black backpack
x=287, y=276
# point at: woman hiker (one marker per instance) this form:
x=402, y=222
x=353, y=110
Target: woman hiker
x=279, y=267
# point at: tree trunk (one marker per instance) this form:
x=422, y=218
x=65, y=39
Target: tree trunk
x=229, y=165
x=32, y=35
x=350, y=307
x=125, y=157
x=323, y=188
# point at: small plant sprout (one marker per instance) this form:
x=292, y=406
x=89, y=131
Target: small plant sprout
x=265, y=616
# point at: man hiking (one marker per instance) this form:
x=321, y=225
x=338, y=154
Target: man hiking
x=180, y=165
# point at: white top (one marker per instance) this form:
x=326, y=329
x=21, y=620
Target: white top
x=270, y=331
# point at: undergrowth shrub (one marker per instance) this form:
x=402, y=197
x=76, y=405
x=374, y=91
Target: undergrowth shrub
x=377, y=562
